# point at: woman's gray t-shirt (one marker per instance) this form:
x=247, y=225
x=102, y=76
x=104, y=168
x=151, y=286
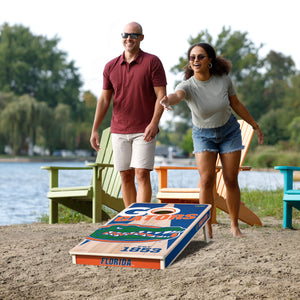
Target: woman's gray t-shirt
x=208, y=100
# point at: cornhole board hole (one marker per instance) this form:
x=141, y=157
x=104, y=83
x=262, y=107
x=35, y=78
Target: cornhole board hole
x=144, y=235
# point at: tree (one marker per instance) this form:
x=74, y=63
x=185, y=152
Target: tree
x=34, y=65
x=278, y=66
x=19, y=121
x=274, y=126
x=294, y=128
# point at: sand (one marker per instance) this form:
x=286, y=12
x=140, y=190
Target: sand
x=35, y=264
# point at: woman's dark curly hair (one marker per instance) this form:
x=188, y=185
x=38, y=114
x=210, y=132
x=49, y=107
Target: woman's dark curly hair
x=220, y=65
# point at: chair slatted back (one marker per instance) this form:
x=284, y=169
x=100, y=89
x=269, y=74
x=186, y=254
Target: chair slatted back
x=111, y=179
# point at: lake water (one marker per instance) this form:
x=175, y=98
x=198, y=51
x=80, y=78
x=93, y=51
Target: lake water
x=24, y=186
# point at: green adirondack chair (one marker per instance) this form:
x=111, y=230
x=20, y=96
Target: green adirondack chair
x=89, y=200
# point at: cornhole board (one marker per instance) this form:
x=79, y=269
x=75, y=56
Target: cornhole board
x=144, y=235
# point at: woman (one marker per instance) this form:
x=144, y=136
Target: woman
x=210, y=95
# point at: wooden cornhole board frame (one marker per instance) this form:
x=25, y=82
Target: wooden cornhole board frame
x=144, y=235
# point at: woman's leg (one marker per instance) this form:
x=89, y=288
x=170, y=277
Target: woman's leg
x=206, y=163
x=230, y=164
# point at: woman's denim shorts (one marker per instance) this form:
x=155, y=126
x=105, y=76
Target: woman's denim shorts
x=224, y=139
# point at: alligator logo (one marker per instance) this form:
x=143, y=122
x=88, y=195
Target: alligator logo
x=135, y=233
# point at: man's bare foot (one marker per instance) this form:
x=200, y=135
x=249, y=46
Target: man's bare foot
x=236, y=232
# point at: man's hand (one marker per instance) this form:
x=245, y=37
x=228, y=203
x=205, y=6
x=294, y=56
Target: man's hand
x=94, y=140
x=150, y=133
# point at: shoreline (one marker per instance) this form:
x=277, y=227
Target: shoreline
x=177, y=161
x=20, y=159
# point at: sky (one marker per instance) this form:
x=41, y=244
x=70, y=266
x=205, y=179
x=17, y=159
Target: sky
x=90, y=30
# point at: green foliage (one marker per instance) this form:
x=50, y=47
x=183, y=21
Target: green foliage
x=19, y=121
x=274, y=125
x=278, y=66
x=270, y=156
x=187, y=142
x=41, y=101
x=294, y=129
x=67, y=215
x=264, y=203
x=40, y=95
x=34, y=65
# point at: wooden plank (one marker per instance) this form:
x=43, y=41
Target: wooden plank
x=68, y=194
x=182, y=195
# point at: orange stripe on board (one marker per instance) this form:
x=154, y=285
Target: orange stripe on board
x=117, y=261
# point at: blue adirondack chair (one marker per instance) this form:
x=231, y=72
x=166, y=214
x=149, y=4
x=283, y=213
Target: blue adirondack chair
x=89, y=200
x=291, y=196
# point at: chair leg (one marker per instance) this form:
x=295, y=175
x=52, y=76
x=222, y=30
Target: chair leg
x=214, y=215
x=53, y=212
x=205, y=232
x=97, y=207
x=287, y=215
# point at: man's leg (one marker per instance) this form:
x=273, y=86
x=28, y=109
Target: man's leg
x=143, y=162
x=122, y=149
x=144, y=193
x=128, y=187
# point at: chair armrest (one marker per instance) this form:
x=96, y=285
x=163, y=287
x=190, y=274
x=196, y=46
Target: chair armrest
x=163, y=172
x=50, y=168
x=245, y=168
x=100, y=165
x=175, y=168
x=54, y=171
x=287, y=168
x=287, y=172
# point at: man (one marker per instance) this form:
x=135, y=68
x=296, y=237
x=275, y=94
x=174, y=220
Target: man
x=137, y=82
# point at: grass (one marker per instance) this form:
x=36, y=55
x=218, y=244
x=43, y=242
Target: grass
x=263, y=203
x=67, y=215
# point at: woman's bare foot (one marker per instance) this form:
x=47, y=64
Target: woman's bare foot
x=236, y=232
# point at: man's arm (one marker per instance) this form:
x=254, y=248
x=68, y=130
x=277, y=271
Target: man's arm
x=152, y=129
x=101, y=110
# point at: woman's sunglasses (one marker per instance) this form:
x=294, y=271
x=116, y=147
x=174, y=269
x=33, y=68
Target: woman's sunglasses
x=199, y=57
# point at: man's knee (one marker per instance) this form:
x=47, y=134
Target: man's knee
x=127, y=176
x=142, y=175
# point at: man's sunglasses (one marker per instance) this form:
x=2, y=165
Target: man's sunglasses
x=199, y=57
x=132, y=35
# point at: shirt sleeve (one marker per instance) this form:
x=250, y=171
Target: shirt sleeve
x=231, y=88
x=107, y=85
x=158, y=72
x=183, y=86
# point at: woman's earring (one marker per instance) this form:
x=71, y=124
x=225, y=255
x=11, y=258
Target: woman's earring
x=209, y=65
x=189, y=67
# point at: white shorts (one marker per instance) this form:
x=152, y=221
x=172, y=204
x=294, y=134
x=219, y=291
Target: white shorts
x=132, y=151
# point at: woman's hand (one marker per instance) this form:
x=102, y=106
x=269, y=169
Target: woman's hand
x=165, y=103
x=260, y=136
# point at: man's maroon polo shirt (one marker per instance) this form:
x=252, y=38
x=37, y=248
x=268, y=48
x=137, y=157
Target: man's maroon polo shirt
x=134, y=96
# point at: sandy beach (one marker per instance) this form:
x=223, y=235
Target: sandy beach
x=35, y=264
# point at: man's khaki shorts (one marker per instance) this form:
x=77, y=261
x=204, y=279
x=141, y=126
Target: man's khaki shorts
x=132, y=151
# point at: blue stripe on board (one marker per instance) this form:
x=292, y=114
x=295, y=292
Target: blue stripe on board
x=186, y=209
x=178, y=249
